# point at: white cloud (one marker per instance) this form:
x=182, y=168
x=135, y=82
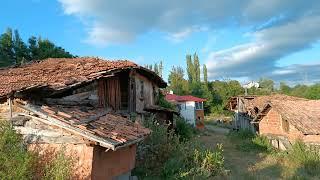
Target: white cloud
x=278, y=28
x=129, y=19
x=259, y=58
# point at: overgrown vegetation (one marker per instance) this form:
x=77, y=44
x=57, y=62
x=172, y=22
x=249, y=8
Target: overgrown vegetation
x=302, y=156
x=18, y=163
x=246, y=141
x=164, y=103
x=301, y=161
x=15, y=161
x=164, y=155
x=184, y=130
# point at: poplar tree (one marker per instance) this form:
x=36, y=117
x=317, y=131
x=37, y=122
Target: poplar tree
x=196, y=65
x=205, y=74
x=190, y=69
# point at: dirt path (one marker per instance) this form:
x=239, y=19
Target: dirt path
x=242, y=165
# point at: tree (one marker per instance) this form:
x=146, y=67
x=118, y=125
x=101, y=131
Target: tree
x=177, y=82
x=205, y=74
x=155, y=68
x=190, y=69
x=20, y=49
x=196, y=65
x=14, y=51
x=160, y=69
x=33, y=48
x=6, y=49
x=284, y=88
x=266, y=84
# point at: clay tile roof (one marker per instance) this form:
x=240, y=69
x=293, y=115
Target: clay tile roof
x=117, y=130
x=301, y=113
x=59, y=73
x=173, y=97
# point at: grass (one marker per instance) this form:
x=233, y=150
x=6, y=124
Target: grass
x=246, y=141
x=247, y=157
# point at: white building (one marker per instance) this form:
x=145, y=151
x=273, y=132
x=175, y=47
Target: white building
x=190, y=107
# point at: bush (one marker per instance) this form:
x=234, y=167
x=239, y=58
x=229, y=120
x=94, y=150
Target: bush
x=60, y=167
x=303, y=156
x=191, y=160
x=16, y=162
x=164, y=103
x=164, y=156
x=184, y=130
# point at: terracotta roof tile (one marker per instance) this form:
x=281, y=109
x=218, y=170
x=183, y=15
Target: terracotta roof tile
x=98, y=122
x=58, y=73
x=304, y=114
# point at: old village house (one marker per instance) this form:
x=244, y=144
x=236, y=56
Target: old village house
x=190, y=108
x=284, y=119
x=85, y=105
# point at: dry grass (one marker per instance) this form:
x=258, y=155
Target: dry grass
x=255, y=164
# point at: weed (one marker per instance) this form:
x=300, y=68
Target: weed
x=304, y=157
x=164, y=155
x=246, y=141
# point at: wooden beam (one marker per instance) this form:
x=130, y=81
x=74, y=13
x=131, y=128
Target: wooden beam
x=52, y=121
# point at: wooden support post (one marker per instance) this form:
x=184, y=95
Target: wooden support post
x=10, y=107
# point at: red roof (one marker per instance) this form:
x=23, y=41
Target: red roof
x=173, y=97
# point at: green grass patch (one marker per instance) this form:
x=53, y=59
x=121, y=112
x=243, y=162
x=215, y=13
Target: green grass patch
x=247, y=141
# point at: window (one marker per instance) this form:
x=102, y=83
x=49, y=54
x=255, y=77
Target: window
x=199, y=105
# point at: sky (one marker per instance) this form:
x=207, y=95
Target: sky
x=243, y=40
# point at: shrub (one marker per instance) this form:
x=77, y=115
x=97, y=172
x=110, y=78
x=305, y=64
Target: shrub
x=15, y=161
x=164, y=103
x=184, y=130
x=60, y=167
x=303, y=156
x=191, y=160
x=162, y=155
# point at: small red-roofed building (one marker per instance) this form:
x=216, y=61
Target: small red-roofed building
x=190, y=107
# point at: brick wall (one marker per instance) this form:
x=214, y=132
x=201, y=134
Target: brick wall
x=273, y=124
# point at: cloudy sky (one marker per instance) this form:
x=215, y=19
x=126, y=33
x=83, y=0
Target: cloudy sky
x=244, y=40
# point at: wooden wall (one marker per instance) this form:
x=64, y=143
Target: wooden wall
x=146, y=93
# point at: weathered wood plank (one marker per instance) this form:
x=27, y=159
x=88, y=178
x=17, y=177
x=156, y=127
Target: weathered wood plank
x=52, y=121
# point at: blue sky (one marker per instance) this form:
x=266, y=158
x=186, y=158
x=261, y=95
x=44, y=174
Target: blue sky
x=236, y=40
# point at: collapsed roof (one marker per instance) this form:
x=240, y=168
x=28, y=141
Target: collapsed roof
x=302, y=113
x=60, y=73
x=94, y=124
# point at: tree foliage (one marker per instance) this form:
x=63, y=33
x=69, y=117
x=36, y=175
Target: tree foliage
x=14, y=51
x=177, y=82
x=157, y=68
